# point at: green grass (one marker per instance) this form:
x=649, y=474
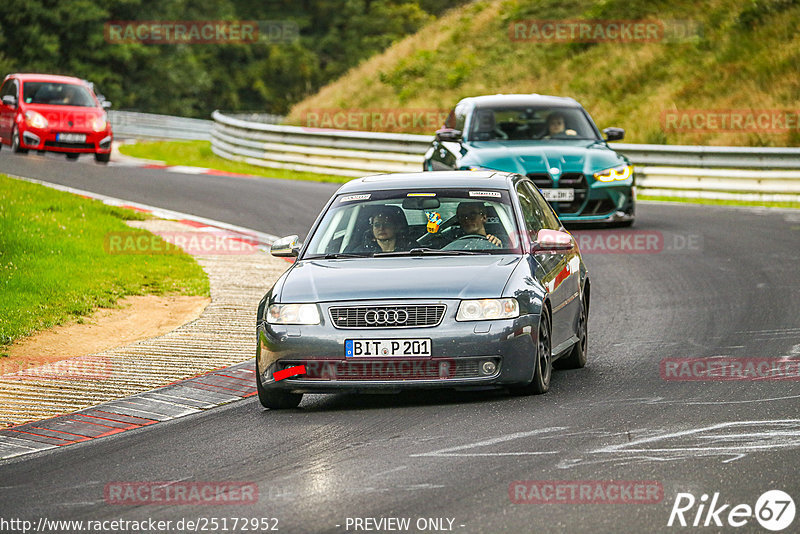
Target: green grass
x=720, y=202
x=54, y=267
x=199, y=154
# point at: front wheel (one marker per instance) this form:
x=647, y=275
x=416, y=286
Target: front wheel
x=276, y=399
x=15, y=145
x=544, y=361
x=72, y=157
x=102, y=158
x=577, y=357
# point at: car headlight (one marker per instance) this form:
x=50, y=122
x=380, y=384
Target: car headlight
x=293, y=314
x=98, y=124
x=623, y=172
x=487, y=309
x=35, y=119
x=476, y=168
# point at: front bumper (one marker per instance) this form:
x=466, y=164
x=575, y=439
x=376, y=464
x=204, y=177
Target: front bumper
x=603, y=203
x=458, y=352
x=45, y=139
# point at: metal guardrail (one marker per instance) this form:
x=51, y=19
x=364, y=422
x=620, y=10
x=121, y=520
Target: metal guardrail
x=134, y=125
x=742, y=173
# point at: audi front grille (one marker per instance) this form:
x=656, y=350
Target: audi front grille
x=387, y=316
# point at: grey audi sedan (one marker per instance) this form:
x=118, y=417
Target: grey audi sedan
x=455, y=279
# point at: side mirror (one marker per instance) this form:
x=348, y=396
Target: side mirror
x=106, y=104
x=10, y=100
x=552, y=241
x=614, y=134
x=448, y=134
x=286, y=247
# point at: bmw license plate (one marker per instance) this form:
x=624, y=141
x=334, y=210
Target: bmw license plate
x=559, y=195
x=360, y=348
x=71, y=138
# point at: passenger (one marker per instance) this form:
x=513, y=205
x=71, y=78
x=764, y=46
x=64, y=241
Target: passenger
x=472, y=218
x=388, y=231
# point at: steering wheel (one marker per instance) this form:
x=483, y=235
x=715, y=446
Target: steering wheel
x=470, y=236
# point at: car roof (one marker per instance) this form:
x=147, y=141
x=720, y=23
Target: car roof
x=437, y=179
x=31, y=77
x=520, y=100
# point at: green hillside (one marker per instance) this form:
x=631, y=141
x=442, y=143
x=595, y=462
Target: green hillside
x=738, y=55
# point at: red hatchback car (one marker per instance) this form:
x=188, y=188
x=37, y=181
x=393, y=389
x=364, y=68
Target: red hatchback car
x=55, y=114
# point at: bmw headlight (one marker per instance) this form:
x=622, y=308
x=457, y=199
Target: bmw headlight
x=622, y=172
x=487, y=309
x=35, y=119
x=293, y=314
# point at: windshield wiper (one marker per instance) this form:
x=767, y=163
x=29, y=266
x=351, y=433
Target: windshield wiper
x=337, y=255
x=426, y=252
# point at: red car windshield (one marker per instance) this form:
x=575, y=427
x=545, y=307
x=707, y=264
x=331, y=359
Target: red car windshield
x=59, y=94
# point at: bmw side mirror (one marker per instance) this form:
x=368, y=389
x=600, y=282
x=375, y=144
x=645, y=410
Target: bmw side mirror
x=614, y=134
x=10, y=100
x=286, y=247
x=552, y=241
x=448, y=134
x=106, y=104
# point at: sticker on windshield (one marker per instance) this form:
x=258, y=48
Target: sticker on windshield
x=434, y=222
x=350, y=198
x=421, y=195
x=493, y=194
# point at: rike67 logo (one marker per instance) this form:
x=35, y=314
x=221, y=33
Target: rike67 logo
x=774, y=510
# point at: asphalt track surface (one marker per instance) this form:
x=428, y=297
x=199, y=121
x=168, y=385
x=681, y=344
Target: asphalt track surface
x=725, y=282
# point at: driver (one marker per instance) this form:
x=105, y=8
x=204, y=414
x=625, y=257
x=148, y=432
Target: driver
x=557, y=124
x=472, y=218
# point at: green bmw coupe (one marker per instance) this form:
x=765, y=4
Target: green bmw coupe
x=553, y=141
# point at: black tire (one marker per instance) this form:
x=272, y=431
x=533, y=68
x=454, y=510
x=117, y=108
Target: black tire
x=15, y=147
x=576, y=359
x=544, y=360
x=72, y=157
x=102, y=158
x=276, y=399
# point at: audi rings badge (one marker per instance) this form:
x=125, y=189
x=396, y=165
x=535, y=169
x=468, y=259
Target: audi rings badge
x=382, y=317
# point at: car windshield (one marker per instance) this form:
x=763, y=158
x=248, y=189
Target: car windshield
x=59, y=94
x=430, y=221
x=530, y=123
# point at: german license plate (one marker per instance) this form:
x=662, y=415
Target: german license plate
x=366, y=348
x=71, y=138
x=559, y=195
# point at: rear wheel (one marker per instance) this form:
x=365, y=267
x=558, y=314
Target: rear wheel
x=544, y=361
x=577, y=357
x=276, y=399
x=15, y=146
x=102, y=158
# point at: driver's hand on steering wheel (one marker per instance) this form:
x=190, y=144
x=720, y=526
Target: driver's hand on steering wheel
x=494, y=240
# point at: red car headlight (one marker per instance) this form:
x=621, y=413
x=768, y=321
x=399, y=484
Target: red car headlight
x=35, y=120
x=99, y=124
